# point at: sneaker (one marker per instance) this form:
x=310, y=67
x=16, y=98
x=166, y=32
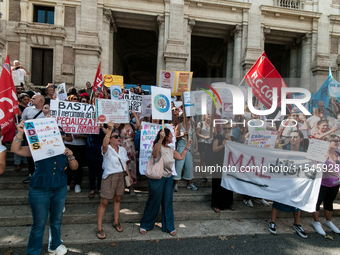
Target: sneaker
x=192, y=186
x=248, y=202
x=300, y=230
x=272, y=227
x=68, y=187
x=64, y=209
x=132, y=191
x=318, y=228
x=176, y=187
x=61, y=250
x=331, y=226
x=261, y=202
x=77, y=189
x=27, y=179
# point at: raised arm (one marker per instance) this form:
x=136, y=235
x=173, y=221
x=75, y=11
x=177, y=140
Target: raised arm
x=16, y=147
x=107, y=136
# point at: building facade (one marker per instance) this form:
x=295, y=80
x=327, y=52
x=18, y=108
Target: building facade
x=64, y=40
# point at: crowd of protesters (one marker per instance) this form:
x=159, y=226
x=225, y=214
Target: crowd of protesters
x=115, y=150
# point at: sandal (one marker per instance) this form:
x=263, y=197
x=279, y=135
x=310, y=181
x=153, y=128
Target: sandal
x=216, y=210
x=142, y=231
x=101, y=234
x=91, y=194
x=118, y=227
x=173, y=233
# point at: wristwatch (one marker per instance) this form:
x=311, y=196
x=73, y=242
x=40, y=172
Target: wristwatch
x=73, y=158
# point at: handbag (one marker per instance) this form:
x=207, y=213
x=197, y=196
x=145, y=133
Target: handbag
x=155, y=170
x=126, y=176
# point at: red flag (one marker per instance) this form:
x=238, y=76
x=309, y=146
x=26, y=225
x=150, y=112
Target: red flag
x=8, y=102
x=98, y=81
x=263, y=77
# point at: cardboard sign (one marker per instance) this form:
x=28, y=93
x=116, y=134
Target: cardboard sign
x=61, y=92
x=44, y=139
x=317, y=150
x=112, y=110
x=161, y=103
x=75, y=118
x=147, y=137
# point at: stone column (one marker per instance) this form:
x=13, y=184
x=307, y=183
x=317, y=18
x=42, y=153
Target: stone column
x=26, y=9
x=237, y=55
x=58, y=61
x=160, y=53
x=293, y=66
x=191, y=24
x=230, y=57
x=106, y=43
x=306, y=61
x=59, y=14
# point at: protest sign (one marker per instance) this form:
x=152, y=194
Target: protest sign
x=115, y=91
x=167, y=80
x=183, y=82
x=112, y=110
x=75, y=118
x=61, y=92
x=135, y=102
x=146, y=106
x=161, y=106
x=287, y=177
x=260, y=137
x=317, y=150
x=178, y=103
x=147, y=136
x=110, y=79
x=44, y=139
x=197, y=103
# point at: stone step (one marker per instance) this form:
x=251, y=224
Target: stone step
x=20, y=215
x=15, y=182
x=20, y=196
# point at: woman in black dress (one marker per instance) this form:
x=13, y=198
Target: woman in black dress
x=221, y=198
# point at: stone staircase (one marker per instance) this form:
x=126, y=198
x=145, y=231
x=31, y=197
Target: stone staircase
x=80, y=210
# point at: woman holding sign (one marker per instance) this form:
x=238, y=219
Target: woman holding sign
x=161, y=189
x=329, y=186
x=47, y=194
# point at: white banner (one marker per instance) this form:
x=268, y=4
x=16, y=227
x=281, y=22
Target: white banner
x=75, y=118
x=112, y=110
x=146, y=106
x=44, y=139
x=61, y=92
x=161, y=103
x=147, y=137
x=287, y=177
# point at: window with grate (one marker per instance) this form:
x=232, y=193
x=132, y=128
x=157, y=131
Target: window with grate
x=291, y=4
x=42, y=66
x=43, y=14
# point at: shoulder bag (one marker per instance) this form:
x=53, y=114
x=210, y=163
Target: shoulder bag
x=154, y=170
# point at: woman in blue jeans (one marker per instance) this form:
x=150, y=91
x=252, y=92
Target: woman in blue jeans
x=47, y=194
x=161, y=192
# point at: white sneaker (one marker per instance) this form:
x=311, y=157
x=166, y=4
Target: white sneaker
x=61, y=250
x=68, y=188
x=261, y=202
x=176, y=187
x=64, y=210
x=192, y=187
x=318, y=228
x=77, y=189
x=248, y=202
x=331, y=226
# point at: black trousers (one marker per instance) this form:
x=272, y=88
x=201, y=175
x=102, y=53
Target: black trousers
x=79, y=153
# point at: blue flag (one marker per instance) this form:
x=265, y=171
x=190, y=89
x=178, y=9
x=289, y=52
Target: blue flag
x=321, y=95
x=334, y=87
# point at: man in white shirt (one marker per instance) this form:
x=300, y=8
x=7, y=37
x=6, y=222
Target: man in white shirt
x=18, y=73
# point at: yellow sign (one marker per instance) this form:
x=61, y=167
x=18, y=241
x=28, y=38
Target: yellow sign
x=110, y=79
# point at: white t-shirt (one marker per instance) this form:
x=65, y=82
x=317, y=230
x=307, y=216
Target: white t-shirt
x=18, y=76
x=111, y=164
x=2, y=148
x=78, y=142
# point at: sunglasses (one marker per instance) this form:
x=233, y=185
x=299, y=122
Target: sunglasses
x=84, y=101
x=294, y=115
x=74, y=99
x=335, y=141
x=229, y=128
x=174, y=109
x=115, y=136
x=295, y=137
x=62, y=133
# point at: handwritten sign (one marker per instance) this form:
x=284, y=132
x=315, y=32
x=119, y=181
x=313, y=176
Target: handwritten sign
x=75, y=118
x=136, y=102
x=260, y=137
x=146, y=106
x=147, y=137
x=44, y=139
x=317, y=150
x=61, y=92
x=112, y=110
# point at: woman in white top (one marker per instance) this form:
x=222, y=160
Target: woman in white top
x=2, y=155
x=112, y=186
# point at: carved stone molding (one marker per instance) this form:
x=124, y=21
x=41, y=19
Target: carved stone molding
x=160, y=21
x=238, y=31
x=191, y=24
x=108, y=18
x=41, y=40
x=40, y=29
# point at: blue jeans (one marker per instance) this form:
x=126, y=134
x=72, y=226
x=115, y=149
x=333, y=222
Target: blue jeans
x=44, y=202
x=160, y=194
